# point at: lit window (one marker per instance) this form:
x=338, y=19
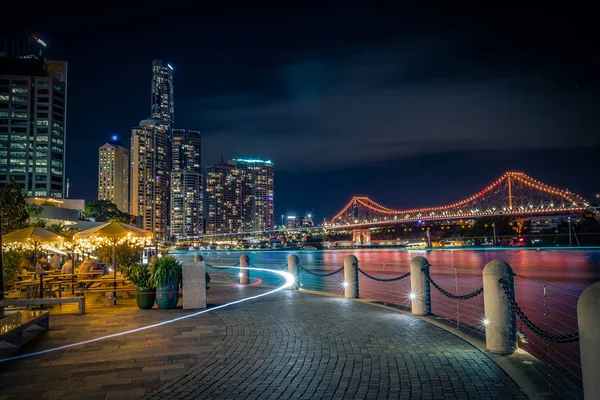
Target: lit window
x=41, y=122
x=42, y=138
x=19, y=99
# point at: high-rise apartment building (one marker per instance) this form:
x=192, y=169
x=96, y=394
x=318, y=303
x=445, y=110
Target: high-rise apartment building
x=186, y=184
x=163, y=100
x=150, y=175
x=239, y=196
x=223, y=199
x=33, y=112
x=257, y=195
x=113, y=173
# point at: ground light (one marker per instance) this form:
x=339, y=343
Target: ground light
x=289, y=281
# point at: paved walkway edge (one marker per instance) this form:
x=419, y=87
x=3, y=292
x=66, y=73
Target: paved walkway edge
x=520, y=366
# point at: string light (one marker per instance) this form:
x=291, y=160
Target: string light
x=451, y=210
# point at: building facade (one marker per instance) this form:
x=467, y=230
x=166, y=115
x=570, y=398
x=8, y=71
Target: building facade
x=239, y=196
x=223, y=199
x=258, y=211
x=186, y=184
x=33, y=113
x=150, y=175
x=162, y=92
x=113, y=174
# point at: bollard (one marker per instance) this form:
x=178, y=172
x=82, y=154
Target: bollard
x=350, y=277
x=499, y=317
x=588, y=320
x=293, y=262
x=420, y=297
x=244, y=273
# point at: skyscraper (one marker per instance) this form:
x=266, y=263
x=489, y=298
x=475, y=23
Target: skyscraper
x=186, y=184
x=257, y=194
x=113, y=174
x=163, y=100
x=150, y=161
x=223, y=199
x=239, y=196
x=33, y=111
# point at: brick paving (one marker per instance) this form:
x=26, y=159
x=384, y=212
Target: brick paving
x=287, y=345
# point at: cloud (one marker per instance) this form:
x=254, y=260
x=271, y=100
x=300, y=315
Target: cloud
x=373, y=106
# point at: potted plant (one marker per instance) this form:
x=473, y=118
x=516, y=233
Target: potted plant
x=165, y=274
x=139, y=275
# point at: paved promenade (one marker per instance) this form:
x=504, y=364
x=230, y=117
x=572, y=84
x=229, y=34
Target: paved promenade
x=287, y=345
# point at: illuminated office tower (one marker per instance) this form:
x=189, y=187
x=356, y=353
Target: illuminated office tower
x=150, y=174
x=163, y=100
x=113, y=174
x=33, y=112
x=186, y=184
x=223, y=199
x=257, y=194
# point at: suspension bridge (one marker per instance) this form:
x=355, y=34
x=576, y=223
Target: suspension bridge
x=513, y=194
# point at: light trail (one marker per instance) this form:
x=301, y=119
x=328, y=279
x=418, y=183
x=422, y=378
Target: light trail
x=289, y=282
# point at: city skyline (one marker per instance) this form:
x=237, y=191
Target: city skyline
x=422, y=103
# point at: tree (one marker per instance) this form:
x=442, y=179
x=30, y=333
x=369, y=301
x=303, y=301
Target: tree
x=127, y=254
x=104, y=211
x=33, y=212
x=13, y=208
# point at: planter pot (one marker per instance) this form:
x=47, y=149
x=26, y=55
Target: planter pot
x=167, y=295
x=145, y=297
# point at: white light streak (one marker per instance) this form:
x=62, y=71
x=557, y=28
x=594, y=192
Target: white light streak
x=289, y=282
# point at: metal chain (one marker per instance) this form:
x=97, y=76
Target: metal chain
x=553, y=337
x=398, y=278
x=315, y=274
x=448, y=294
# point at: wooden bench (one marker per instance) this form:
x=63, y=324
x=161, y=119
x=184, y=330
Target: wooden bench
x=19, y=328
x=34, y=302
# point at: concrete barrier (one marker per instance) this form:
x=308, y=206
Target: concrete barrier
x=499, y=317
x=351, y=277
x=293, y=262
x=588, y=319
x=420, y=296
x=244, y=273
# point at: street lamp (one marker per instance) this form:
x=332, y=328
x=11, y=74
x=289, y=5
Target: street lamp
x=281, y=221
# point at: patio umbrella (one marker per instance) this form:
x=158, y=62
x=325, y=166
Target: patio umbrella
x=114, y=233
x=34, y=236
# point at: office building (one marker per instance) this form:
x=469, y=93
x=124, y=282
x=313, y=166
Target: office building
x=295, y=222
x=239, y=196
x=113, y=173
x=33, y=112
x=257, y=194
x=186, y=184
x=150, y=174
x=223, y=199
x=163, y=100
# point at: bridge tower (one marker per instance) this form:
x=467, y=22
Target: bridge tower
x=361, y=237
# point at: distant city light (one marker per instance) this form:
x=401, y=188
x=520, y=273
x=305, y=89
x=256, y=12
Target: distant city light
x=253, y=160
x=309, y=216
x=170, y=67
x=114, y=138
x=40, y=41
x=291, y=216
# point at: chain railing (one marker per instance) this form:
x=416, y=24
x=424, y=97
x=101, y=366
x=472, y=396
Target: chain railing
x=553, y=337
x=466, y=296
x=398, y=278
x=317, y=274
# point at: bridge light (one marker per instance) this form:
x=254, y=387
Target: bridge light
x=412, y=296
x=485, y=322
x=345, y=284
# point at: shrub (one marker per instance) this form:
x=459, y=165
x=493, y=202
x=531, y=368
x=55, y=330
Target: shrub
x=138, y=274
x=164, y=270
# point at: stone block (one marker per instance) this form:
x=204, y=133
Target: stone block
x=194, y=285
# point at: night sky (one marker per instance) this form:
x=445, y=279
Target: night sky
x=412, y=107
